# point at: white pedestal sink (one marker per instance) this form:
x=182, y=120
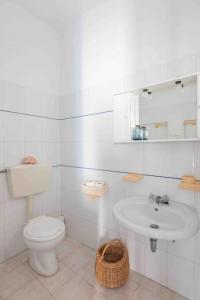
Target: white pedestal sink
x=142, y=215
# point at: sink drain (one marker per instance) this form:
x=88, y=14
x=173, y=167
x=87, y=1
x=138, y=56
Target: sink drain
x=154, y=226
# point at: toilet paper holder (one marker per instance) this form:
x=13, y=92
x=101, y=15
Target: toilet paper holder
x=94, y=188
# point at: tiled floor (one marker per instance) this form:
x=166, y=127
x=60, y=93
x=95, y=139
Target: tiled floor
x=74, y=281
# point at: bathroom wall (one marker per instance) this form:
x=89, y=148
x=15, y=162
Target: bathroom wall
x=117, y=47
x=30, y=63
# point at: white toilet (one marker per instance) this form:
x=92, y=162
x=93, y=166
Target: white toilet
x=42, y=234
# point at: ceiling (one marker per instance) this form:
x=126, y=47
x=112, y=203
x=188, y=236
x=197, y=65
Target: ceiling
x=57, y=12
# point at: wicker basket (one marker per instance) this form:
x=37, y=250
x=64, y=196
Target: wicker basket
x=112, y=264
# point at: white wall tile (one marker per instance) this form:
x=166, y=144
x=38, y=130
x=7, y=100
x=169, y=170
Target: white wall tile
x=196, y=283
x=39, y=205
x=3, y=183
x=14, y=127
x=92, y=128
x=1, y=94
x=33, y=102
x=50, y=105
x=2, y=127
x=166, y=159
x=183, y=248
x=89, y=101
x=52, y=202
x=2, y=247
x=2, y=215
x=51, y=130
x=197, y=202
x=78, y=228
x=197, y=160
x=51, y=153
x=130, y=82
x=66, y=106
x=103, y=155
x=14, y=97
x=196, y=245
x=33, y=129
x=14, y=153
x=156, y=74
x=181, y=276
x=156, y=265
x=181, y=66
x=2, y=161
x=34, y=149
x=15, y=212
x=179, y=195
x=136, y=251
x=14, y=243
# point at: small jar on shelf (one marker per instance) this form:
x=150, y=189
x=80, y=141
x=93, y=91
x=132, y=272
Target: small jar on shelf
x=136, y=135
x=144, y=133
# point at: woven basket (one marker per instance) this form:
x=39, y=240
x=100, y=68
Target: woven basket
x=112, y=264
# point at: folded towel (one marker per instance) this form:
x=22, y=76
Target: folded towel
x=94, y=183
x=176, y=129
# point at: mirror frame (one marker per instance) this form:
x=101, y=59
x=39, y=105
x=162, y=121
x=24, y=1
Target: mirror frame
x=131, y=93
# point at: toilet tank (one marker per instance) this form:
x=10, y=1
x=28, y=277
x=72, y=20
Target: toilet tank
x=27, y=180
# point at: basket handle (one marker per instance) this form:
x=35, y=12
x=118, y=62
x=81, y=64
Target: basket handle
x=116, y=241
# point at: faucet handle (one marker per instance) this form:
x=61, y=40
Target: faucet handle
x=166, y=199
x=152, y=196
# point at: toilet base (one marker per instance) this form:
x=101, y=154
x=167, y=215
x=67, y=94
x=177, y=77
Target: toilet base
x=44, y=263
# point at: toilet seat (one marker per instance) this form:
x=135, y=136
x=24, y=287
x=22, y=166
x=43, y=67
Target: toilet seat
x=43, y=229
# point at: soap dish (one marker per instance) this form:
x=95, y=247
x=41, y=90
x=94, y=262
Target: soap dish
x=94, y=189
x=189, y=183
x=131, y=177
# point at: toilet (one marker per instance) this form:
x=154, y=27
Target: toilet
x=41, y=234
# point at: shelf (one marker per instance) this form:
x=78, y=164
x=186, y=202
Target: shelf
x=158, y=141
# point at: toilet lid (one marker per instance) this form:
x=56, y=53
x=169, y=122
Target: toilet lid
x=43, y=227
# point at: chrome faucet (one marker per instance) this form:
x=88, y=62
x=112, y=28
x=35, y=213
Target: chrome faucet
x=160, y=199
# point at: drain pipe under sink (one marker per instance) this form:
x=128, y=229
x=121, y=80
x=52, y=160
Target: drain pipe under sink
x=153, y=243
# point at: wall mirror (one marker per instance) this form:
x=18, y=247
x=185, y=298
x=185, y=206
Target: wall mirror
x=168, y=111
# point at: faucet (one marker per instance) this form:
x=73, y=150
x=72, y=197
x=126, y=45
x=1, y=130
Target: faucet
x=160, y=199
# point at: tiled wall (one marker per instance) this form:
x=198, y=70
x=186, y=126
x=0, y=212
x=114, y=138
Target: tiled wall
x=28, y=126
x=30, y=63
x=88, y=152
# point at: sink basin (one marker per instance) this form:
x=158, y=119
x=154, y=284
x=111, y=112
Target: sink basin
x=140, y=214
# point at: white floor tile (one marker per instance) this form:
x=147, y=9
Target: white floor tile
x=53, y=283
x=78, y=259
x=31, y=291
x=67, y=247
x=75, y=289
x=12, y=281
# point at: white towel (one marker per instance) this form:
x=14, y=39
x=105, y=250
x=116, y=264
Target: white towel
x=176, y=129
x=94, y=183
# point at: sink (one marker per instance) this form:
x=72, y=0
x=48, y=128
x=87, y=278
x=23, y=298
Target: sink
x=140, y=214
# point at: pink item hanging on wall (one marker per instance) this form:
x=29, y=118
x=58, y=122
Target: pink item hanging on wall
x=29, y=160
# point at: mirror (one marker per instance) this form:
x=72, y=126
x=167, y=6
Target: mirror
x=167, y=111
